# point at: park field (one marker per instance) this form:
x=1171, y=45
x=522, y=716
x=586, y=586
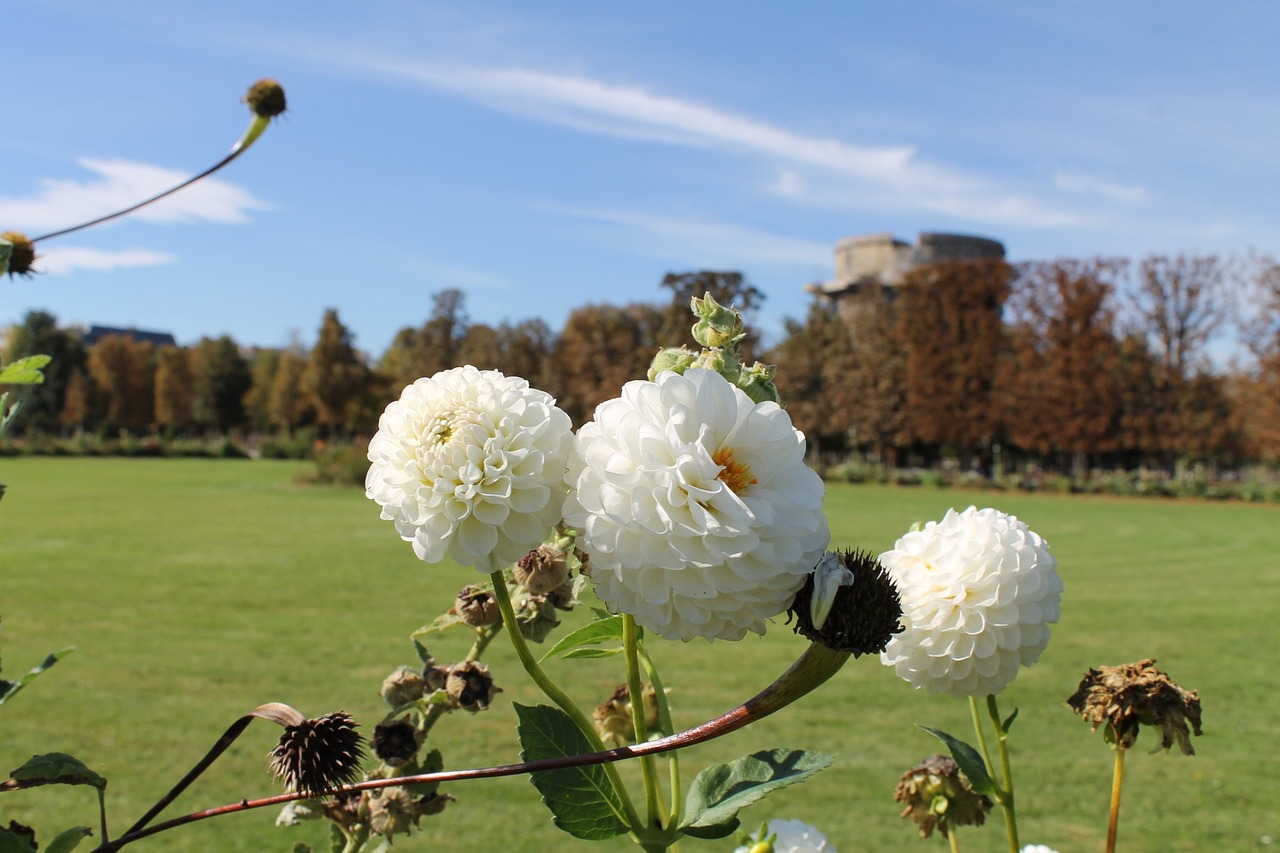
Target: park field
x=196, y=590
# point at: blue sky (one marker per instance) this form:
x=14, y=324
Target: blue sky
x=542, y=156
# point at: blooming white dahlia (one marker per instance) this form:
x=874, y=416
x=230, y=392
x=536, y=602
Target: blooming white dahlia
x=979, y=590
x=791, y=836
x=471, y=464
x=696, y=507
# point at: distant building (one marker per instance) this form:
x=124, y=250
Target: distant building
x=90, y=335
x=882, y=260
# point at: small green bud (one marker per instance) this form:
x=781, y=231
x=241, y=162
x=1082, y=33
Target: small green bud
x=717, y=326
x=722, y=361
x=677, y=359
x=757, y=381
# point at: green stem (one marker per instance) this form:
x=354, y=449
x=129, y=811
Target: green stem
x=953, y=840
x=1006, y=768
x=1117, y=782
x=555, y=694
x=668, y=727
x=981, y=732
x=630, y=646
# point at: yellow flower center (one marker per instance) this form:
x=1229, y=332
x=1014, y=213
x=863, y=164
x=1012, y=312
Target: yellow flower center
x=734, y=474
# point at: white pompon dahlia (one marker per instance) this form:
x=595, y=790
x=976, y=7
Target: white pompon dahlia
x=791, y=836
x=979, y=590
x=470, y=464
x=695, y=505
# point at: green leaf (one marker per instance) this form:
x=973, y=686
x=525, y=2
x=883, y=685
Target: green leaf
x=600, y=631
x=423, y=654
x=1008, y=724
x=591, y=654
x=581, y=799
x=969, y=760
x=443, y=622
x=52, y=768
x=11, y=842
x=12, y=687
x=719, y=792
x=6, y=251
x=68, y=839
x=24, y=371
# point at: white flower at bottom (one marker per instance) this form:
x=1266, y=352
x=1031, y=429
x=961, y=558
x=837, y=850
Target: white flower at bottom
x=979, y=590
x=1038, y=848
x=695, y=505
x=793, y=836
x=471, y=464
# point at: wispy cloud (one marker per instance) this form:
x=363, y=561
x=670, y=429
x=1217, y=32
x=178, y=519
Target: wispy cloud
x=116, y=184
x=1078, y=182
x=61, y=261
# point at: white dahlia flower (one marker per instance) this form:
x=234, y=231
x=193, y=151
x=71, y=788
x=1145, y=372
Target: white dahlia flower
x=792, y=836
x=470, y=464
x=696, y=507
x=979, y=590
x=1038, y=848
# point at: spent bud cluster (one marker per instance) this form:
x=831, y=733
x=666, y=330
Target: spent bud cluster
x=937, y=795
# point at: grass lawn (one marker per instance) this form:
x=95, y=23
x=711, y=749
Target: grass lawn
x=195, y=590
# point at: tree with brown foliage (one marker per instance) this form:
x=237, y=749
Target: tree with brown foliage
x=221, y=379
x=334, y=376
x=123, y=371
x=175, y=398
x=601, y=348
x=290, y=406
x=874, y=374
x=809, y=379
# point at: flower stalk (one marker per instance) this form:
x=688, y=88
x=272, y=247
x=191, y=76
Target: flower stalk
x=1117, y=782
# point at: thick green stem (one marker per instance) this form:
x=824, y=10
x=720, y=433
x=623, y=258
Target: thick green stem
x=981, y=732
x=562, y=700
x=1117, y=782
x=1006, y=769
x=668, y=727
x=648, y=772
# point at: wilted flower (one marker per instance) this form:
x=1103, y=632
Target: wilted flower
x=403, y=686
x=937, y=796
x=788, y=836
x=471, y=686
x=392, y=811
x=612, y=717
x=1132, y=695
x=266, y=98
x=542, y=569
x=477, y=606
x=848, y=603
x=318, y=754
x=396, y=741
x=470, y=464
x=22, y=253
x=979, y=590
x=696, y=507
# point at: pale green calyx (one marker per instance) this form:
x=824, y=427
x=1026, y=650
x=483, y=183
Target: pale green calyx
x=757, y=381
x=717, y=326
x=676, y=359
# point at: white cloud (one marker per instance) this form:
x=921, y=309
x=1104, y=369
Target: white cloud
x=1078, y=182
x=61, y=261
x=64, y=202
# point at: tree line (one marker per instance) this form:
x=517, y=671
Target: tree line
x=1073, y=363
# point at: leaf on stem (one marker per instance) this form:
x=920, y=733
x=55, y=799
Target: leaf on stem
x=970, y=761
x=719, y=792
x=581, y=799
x=53, y=768
x=24, y=371
x=10, y=688
x=68, y=839
x=591, y=634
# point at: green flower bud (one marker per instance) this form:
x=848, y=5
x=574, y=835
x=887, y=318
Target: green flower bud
x=677, y=359
x=717, y=326
x=757, y=381
x=722, y=361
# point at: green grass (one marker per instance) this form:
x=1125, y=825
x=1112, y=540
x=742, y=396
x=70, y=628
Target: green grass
x=196, y=590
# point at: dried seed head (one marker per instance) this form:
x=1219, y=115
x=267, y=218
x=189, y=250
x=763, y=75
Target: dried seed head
x=396, y=742
x=937, y=796
x=542, y=569
x=477, y=606
x=402, y=687
x=612, y=717
x=318, y=754
x=391, y=812
x=266, y=98
x=22, y=255
x=470, y=686
x=849, y=604
x=1132, y=695
x=536, y=616
x=434, y=677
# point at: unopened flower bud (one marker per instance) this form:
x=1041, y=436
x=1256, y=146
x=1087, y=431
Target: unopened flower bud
x=402, y=687
x=757, y=382
x=937, y=796
x=717, y=326
x=477, y=606
x=849, y=603
x=676, y=359
x=266, y=98
x=536, y=616
x=470, y=686
x=396, y=742
x=542, y=569
x=1133, y=695
x=22, y=254
x=722, y=361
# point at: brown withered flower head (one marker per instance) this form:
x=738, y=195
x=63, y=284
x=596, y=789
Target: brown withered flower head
x=542, y=569
x=403, y=686
x=612, y=717
x=1124, y=698
x=477, y=606
x=471, y=686
x=266, y=98
x=937, y=796
x=23, y=255
x=396, y=742
x=318, y=754
x=848, y=603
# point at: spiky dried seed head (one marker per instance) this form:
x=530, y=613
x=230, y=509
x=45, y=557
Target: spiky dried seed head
x=937, y=796
x=1133, y=695
x=23, y=254
x=866, y=611
x=266, y=98
x=319, y=754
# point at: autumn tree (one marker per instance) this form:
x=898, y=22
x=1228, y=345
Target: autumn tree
x=873, y=373
x=123, y=371
x=175, y=389
x=601, y=348
x=257, y=400
x=290, y=406
x=221, y=379
x=38, y=334
x=813, y=393
x=1259, y=392
x=526, y=350
x=335, y=375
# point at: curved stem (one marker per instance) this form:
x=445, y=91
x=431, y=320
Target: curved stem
x=555, y=694
x=1006, y=769
x=664, y=720
x=630, y=647
x=981, y=732
x=953, y=841
x=1117, y=782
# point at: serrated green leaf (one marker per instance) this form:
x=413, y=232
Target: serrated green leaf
x=443, y=622
x=11, y=842
x=1008, y=724
x=719, y=792
x=581, y=799
x=593, y=633
x=24, y=371
x=14, y=686
x=53, y=768
x=970, y=761
x=424, y=656
x=68, y=839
